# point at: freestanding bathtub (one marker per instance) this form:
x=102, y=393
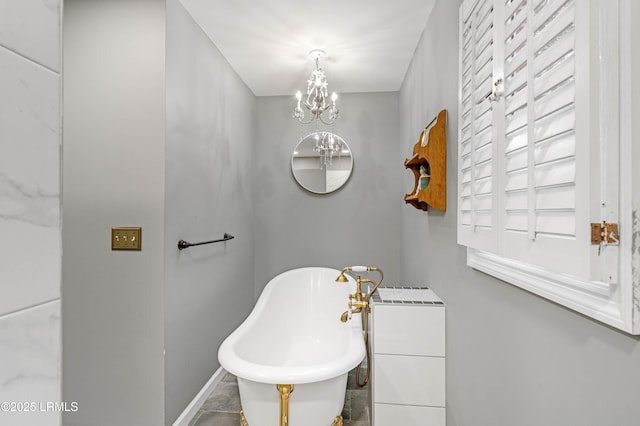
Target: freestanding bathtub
x=294, y=336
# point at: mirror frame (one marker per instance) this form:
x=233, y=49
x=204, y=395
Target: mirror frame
x=307, y=186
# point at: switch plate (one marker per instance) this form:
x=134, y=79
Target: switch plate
x=126, y=238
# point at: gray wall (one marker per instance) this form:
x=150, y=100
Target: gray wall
x=209, y=162
x=113, y=175
x=359, y=223
x=512, y=358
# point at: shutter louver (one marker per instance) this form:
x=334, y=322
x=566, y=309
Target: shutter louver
x=476, y=141
x=554, y=116
x=464, y=159
x=516, y=128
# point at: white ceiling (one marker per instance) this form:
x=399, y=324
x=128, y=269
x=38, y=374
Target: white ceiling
x=369, y=43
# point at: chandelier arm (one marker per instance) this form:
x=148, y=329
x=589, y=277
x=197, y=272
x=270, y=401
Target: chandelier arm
x=321, y=105
x=308, y=104
x=306, y=122
x=307, y=101
x=328, y=123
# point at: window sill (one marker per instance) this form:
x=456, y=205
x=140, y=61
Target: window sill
x=594, y=299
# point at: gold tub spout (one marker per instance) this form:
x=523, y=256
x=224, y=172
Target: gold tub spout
x=285, y=393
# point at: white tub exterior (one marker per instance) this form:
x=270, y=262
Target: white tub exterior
x=294, y=336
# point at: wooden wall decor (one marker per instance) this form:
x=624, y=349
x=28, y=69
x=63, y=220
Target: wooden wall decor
x=429, y=166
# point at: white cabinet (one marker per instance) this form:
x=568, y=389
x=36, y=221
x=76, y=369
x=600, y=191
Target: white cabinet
x=408, y=362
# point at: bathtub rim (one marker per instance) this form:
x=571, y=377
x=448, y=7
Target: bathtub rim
x=240, y=367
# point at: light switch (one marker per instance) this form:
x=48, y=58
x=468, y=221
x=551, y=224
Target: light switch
x=126, y=238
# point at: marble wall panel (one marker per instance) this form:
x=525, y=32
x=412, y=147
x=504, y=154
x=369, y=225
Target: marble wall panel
x=29, y=183
x=32, y=27
x=30, y=251
x=30, y=367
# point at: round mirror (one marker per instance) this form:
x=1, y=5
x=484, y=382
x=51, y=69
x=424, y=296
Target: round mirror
x=322, y=162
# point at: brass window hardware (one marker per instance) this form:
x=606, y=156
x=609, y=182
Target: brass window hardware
x=604, y=233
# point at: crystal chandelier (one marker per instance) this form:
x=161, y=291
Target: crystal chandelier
x=327, y=145
x=316, y=99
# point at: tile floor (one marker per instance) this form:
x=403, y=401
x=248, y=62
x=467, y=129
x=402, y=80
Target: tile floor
x=222, y=407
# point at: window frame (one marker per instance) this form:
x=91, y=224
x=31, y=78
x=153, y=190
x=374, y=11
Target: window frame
x=616, y=303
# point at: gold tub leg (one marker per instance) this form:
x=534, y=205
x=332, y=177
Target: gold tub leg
x=285, y=393
x=243, y=420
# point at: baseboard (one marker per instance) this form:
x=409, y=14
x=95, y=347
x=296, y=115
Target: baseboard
x=189, y=413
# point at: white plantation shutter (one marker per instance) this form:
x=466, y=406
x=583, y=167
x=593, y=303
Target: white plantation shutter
x=546, y=216
x=540, y=148
x=476, y=189
x=518, y=152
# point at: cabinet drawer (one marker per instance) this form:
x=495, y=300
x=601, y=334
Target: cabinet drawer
x=409, y=330
x=412, y=380
x=408, y=415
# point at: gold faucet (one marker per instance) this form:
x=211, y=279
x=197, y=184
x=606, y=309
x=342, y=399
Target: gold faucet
x=359, y=302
